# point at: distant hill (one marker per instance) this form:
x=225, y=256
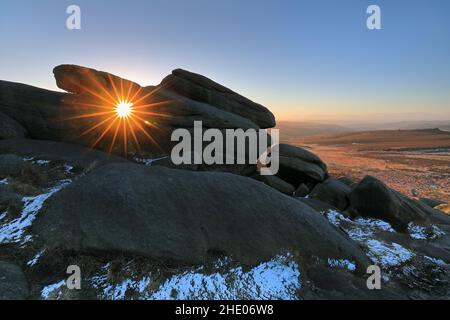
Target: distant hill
x=401, y=125
x=292, y=130
x=386, y=139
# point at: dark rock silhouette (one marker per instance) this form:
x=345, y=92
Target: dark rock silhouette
x=372, y=198
x=178, y=216
x=333, y=192
x=13, y=284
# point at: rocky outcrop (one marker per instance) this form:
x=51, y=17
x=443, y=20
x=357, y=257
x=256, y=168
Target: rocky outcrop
x=57, y=151
x=13, y=284
x=84, y=81
x=57, y=116
x=182, y=217
x=276, y=183
x=372, y=198
x=200, y=88
x=10, y=165
x=298, y=165
x=333, y=192
x=302, y=190
x=10, y=128
x=37, y=110
x=431, y=202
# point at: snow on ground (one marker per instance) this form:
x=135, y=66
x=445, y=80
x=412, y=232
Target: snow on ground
x=359, y=229
x=388, y=255
x=278, y=278
x=53, y=291
x=35, y=259
x=422, y=233
x=13, y=231
x=147, y=161
x=41, y=162
x=342, y=263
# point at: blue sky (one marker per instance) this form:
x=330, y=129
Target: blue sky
x=302, y=59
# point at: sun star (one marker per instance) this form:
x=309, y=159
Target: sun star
x=123, y=109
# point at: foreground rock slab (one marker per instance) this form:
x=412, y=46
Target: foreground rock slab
x=184, y=217
x=372, y=198
x=13, y=284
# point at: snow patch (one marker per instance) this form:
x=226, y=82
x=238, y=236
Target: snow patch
x=35, y=259
x=342, y=263
x=437, y=262
x=360, y=229
x=13, y=231
x=278, y=278
x=48, y=290
x=148, y=161
x=387, y=255
x=422, y=233
x=4, y=181
x=41, y=162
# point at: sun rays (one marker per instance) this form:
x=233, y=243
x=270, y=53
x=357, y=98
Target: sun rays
x=117, y=112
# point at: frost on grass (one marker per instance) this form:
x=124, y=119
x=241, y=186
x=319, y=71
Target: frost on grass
x=359, y=229
x=41, y=162
x=36, y=258
x=342, y=263
x=364, y=231
x=147, y=161
x=13, y=231
x=53, y=291
x=278, y=278
x=388, y=255
x=422, y=233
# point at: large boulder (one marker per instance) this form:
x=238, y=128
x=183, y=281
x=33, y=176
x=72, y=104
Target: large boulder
x=13, y=284
x=184, y=217
x=57, y=116
x=298, y=165
x=276, y=183
x=37, y=110
x=332, y=191
x=10, y=165
x=10, y=128
x=86, y=81
x=372, y=198
x=200, y=88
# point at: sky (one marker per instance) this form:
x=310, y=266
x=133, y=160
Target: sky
x=303, y=59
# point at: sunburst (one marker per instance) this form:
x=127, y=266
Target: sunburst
x=123, y=111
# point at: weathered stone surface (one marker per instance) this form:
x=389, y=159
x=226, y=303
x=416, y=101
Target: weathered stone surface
x=13, y=284
x=302, y=190
x=200, y=88
x=297, y=166
x=82, y=80
x=183, y=216
x=57, y=151
x=372, y=198
x=39, y=111
x=10, y=165
x=431, y=202
x=333, y=192
x=276, y=183
x=10, y=128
